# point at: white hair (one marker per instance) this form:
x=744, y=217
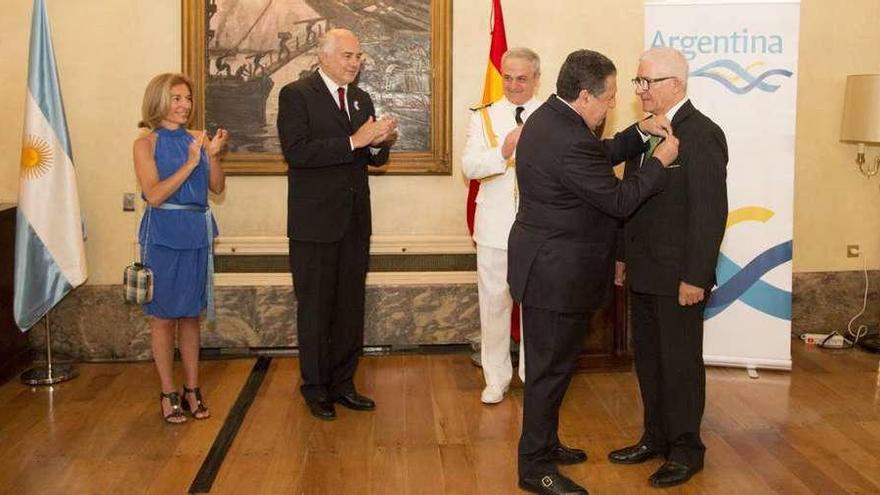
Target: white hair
x=327, y=43
x=669, y=60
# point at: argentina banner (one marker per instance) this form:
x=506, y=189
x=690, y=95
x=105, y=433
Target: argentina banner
x=743, y=58
x=49, y=247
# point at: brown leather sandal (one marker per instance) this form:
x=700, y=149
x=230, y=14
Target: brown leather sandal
x=176, y=416
x=200, y=412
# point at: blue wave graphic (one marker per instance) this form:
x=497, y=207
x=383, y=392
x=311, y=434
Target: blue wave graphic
x=745, y=284
x=752, y=82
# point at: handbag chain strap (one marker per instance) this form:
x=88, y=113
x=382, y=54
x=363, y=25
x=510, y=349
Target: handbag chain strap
x=146, y=213
x=147, y=237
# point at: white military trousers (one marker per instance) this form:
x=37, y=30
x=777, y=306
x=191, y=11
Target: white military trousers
x=495, y=307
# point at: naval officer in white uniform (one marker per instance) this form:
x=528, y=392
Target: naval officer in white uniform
x=489, y=156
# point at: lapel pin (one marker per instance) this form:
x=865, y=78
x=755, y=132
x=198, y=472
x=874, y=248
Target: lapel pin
x=357, y=106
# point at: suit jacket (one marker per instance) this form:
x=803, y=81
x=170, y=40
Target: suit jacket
x=326, y=179
x=497, y=199
x=562, y=244
x=675, y=236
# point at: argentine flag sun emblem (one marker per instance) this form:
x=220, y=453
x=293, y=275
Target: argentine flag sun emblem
x=36, y=157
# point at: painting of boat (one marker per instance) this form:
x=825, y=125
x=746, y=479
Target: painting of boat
x=255, y=47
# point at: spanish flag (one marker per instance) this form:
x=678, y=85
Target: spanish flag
x=493, y=90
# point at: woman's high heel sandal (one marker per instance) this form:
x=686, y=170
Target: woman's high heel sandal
x=176, y=415
x=200, y=412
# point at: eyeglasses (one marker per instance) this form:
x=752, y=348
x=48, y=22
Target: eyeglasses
x=644, y=83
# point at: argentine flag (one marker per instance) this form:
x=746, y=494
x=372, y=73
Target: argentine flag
x=49, y=249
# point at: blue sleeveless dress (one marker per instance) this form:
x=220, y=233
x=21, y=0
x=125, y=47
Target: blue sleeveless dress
x=175, y=243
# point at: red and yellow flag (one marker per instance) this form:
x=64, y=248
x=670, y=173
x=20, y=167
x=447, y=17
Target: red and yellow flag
x=493, y=89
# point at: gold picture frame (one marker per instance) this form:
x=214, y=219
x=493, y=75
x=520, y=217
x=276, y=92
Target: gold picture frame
x=430, y=147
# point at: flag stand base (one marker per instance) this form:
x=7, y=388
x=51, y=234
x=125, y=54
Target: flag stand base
x=49, y=376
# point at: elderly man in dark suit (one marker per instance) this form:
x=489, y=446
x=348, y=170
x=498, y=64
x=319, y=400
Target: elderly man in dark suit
x=329, y=135
x=671, y=249
x=562, y=245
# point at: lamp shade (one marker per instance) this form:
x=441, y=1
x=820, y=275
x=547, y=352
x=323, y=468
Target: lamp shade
x=861, y=109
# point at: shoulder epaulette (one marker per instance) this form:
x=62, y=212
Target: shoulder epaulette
x=480, y=107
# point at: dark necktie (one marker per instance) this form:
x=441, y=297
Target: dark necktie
x=518, y=115
x=341, y=92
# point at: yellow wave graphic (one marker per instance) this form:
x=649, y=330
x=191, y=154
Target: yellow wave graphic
x=734, y=78
x=749, y=214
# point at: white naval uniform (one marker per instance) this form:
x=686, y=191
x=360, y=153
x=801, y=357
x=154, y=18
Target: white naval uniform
x=496, y=210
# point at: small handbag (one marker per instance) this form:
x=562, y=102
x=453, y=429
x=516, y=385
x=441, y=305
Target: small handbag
x=137, y=281
x=137, y=278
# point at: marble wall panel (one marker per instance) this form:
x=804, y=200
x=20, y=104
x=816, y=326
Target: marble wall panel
x=826, y=301
x=275, y=317
x=93, y=323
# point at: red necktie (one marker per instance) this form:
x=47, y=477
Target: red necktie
x=341, y=92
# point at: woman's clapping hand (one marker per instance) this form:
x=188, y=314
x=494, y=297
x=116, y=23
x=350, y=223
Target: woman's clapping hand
x=216, y=144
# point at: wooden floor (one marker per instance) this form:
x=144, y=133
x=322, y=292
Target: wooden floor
x=814, y=430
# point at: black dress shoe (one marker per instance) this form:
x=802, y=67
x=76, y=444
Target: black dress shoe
x=567, y=455
x=322, y=409
x=356, y=401
x=671, y=473
x=552, y=484
x=634, y=454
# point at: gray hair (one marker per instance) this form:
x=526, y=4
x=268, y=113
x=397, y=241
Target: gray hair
x=526, y=54
x=328, y=42
x=669, y=60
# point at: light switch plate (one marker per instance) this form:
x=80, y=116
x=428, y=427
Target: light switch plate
x=128, y=202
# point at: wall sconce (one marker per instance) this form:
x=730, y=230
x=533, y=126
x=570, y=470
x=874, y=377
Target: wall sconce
x=861, y=117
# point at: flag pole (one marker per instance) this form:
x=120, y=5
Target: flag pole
x=49, y=375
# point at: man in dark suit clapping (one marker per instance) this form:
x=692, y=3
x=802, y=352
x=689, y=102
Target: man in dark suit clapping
x=562, y=245
x=671, y=249
x=329, y=135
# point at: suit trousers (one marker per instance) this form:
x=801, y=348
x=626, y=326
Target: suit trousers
x=553, y=341
x=495, y=307
x=668, y=344
x=329, y=279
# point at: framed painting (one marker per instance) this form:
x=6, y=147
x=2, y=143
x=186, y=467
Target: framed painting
x=240, y=53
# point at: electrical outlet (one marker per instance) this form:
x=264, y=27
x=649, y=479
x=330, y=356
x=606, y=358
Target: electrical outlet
x=820, y=338
x=128, y=202
x=813, y=338
x=852, y=251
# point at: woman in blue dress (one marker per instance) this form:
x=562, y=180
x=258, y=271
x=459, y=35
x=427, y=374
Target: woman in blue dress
x=175, y=168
